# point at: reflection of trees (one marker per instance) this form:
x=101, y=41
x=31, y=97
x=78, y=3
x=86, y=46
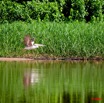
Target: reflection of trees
x=88, y=97
x=81, y=83
x=92, y=97
x=66, y=98
x=71, y=98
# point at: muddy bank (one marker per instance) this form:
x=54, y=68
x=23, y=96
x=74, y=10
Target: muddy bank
x=50, y=58
x=15, y=59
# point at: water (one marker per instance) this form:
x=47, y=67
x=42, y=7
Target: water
x=51, y=82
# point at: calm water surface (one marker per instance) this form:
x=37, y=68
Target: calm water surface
x=52, y=82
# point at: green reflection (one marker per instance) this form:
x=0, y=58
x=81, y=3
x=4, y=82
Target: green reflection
x=51, y=82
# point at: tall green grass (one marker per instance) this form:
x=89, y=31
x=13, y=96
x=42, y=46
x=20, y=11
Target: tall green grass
x=71, y=39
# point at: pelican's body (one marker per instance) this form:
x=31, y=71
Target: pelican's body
x=34, y=46
x=29, y=43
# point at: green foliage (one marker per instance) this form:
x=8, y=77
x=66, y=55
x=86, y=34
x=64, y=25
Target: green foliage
x=12, y=11
x=51, y=10
x=76, y=39
x=43, y=10
x=78, y=9
x=94, y=9
x=83, y=10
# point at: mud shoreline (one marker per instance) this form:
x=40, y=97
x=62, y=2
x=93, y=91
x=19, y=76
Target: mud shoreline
x=15, y=59
x=46, y=59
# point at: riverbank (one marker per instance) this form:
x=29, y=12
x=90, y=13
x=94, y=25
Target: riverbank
x=61, y=40
x=48, y=59
x=15, y=59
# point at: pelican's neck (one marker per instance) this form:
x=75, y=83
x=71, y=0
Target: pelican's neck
x=32, y=43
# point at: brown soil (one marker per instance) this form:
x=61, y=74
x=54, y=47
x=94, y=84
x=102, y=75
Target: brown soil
x=50, y=58
x=15, y=59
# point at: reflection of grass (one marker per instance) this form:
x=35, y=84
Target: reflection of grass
x=77, y=39
x=59, y=82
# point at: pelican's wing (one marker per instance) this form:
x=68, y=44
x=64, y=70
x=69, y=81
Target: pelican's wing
x=39, y=45
x=34, y=46
x=31, y=47
x=27, y=40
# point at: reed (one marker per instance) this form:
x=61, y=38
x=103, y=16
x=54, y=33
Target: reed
x=71, y=39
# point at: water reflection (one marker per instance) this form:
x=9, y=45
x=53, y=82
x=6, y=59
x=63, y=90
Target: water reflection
x=30, y=77
x=66, y=98
x=51, y=82
x=92, y=97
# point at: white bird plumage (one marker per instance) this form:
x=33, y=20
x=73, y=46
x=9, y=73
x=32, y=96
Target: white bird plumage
x=29, y=43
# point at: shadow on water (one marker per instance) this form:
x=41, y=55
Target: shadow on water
x=71, y=98
x=75, y=98
x=66, y=98
x=93, y=97
x=51, y=82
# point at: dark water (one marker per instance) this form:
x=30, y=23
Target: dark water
x=52, y=82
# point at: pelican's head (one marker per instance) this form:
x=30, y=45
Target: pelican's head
x=32, y=41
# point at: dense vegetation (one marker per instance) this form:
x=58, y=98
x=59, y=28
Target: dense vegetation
x=73, y=39
x=43, y=19
x=51, y=10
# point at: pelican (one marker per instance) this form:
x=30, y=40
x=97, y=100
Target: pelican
x=29, y=43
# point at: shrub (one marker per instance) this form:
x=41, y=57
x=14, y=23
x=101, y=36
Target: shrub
x=43, y=10
x=12, y=11
x=51, y=10
x=94, y=9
